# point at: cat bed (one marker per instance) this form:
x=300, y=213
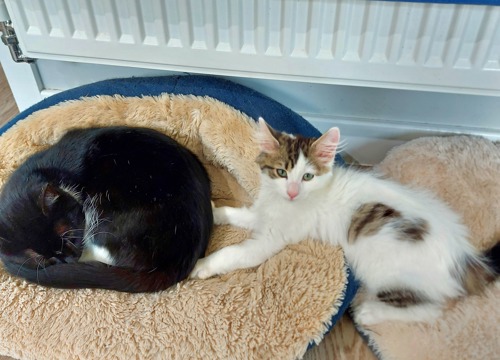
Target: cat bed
x=463, y=171
x=276, y=310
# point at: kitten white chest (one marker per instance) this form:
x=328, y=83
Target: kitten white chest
x=294, y=221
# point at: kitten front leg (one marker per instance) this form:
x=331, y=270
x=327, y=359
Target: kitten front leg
x=241, y=217
x=247, y=254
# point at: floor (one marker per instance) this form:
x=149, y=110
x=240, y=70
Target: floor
x=8, y=107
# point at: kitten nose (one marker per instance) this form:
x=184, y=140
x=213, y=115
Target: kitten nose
x=292, y=190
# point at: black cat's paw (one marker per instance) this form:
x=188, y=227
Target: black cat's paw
x=70, y=250
x=53, y=261
x=39, y=261
x=29, y=258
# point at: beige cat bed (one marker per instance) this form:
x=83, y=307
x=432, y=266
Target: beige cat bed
x=465, y=172
x=274, y=311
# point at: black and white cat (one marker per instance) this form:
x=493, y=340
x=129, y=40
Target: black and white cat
x=118, y=208
x=408, y=249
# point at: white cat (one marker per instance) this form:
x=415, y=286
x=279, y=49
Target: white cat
x=408, y=249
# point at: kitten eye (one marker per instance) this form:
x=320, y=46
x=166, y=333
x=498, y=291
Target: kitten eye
x=281, y=173
x=307, y=176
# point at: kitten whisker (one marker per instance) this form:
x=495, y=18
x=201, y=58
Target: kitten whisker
x=342, y=145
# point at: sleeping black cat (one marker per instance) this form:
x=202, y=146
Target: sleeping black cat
x=118, y=208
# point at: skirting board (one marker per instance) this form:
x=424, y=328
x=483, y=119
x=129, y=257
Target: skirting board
x=368, y=141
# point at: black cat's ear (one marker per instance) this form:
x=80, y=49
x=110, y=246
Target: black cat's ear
x=267, y=142
x=48, y=197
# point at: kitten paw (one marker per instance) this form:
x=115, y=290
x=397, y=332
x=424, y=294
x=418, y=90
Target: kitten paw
x=220, y=217
x=201, y=270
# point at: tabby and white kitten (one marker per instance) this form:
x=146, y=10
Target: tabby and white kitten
x=408, y=249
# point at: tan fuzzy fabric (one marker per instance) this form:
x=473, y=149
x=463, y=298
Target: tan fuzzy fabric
x=270, y=312
x=465, y=172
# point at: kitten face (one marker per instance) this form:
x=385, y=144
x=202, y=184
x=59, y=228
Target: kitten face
x=292, y=179
x=294, y=165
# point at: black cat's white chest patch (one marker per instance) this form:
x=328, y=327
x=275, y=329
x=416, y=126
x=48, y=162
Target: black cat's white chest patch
x=92, y=252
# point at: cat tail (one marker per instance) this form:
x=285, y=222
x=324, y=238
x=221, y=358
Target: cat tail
x=95, y=275
x=482, y=271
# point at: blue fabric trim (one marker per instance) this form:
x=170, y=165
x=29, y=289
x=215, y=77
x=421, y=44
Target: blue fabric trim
x=365, y=335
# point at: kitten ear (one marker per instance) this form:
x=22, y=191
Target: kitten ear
x=326, y=146
x=266, y=139
x=48, y=197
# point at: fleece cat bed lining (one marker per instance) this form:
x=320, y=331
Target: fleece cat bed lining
x=273, y=311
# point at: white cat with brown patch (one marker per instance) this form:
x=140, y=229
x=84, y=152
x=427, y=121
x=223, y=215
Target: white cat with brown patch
x=407, y=248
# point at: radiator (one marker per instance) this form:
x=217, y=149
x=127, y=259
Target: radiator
x=399, y=45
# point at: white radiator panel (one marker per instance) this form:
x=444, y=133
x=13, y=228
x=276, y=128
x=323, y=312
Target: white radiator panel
x=436, y=47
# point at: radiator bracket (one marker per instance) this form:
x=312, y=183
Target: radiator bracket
x=9, y=38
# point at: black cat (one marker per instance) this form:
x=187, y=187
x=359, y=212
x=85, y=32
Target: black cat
x=118, y=208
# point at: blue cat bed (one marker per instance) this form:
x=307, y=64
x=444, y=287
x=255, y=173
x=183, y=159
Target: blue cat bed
x=247, y=101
